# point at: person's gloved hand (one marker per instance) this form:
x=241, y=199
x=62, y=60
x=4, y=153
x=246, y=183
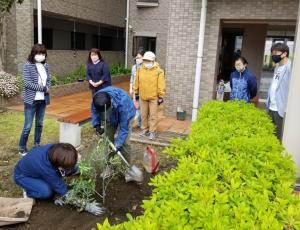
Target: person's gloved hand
x=94, y=208
x=118, y=147
x=160, y=100
x=99, y=130
x=59, y=201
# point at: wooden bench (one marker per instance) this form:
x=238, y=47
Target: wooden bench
x=69, y=127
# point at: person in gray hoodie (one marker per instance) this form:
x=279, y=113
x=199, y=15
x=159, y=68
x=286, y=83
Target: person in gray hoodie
x=278, y=91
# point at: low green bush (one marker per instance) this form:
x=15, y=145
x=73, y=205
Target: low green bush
x=232, y=173
x=117, y=69
x=80, y=74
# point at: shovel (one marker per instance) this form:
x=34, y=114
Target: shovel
x=133, y=173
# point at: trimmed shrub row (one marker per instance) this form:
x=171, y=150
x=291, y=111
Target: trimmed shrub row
x=232, y=173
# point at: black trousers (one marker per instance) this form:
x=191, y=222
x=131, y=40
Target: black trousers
x=278, y=121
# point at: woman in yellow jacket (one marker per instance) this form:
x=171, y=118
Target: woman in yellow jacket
x=150, y=89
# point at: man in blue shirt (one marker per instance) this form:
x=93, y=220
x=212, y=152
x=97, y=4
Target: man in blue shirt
x=116, y=106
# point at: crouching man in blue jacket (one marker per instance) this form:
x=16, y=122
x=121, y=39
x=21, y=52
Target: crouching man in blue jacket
x=40, y=172
x=114, y=105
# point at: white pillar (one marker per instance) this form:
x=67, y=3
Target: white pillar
x=199, y=60
x=291, y=137
x=39, y=20
x=127, y=34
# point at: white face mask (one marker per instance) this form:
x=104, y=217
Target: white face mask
x=139, y=61
x=94, y=58
x=240, y=68
x=148, y=65
x=39, y=57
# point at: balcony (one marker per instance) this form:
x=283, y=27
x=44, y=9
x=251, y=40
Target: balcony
x=147, y=3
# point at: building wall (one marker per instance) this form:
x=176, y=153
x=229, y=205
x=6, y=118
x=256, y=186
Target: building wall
x=150, y=20
x=182, y=42
x=20, y=27
x=110, y=12
x=64, y=61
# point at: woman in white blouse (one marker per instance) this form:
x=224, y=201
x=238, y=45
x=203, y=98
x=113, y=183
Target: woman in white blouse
x=37, y=81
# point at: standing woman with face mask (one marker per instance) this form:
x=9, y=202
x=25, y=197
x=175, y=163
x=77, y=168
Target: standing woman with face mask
x=138, y=63
x=150, y=89
x=37, y=81
x=97, y=71
x=242, y=82
x=98, y=76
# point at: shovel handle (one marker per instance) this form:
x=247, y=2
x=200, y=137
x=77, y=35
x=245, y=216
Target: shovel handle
x=119, y=153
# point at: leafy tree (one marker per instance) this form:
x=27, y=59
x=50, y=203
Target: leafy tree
x=5, y=6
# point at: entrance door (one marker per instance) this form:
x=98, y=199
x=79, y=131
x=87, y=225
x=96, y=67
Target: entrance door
x=231, y=49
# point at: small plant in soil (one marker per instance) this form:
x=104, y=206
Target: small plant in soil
x=83, y=188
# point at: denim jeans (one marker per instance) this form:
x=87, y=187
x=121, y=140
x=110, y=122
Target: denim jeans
x=96, y=118
x=37, y=109
x=34, y=187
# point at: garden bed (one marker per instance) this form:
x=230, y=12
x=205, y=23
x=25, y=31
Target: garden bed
x=122, y=198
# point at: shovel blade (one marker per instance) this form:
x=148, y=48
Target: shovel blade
x=134, y=174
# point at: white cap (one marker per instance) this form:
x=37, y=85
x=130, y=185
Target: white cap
x=149, y=56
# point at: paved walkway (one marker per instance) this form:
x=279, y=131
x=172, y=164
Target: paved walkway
x=67, y=105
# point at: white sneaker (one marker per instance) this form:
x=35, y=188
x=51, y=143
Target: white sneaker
x=25, y=194
x=23, y=152
x=152, y=136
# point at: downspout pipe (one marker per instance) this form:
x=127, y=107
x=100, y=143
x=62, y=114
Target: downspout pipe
x=199, y=60
x=39, y=20
x=127, y=34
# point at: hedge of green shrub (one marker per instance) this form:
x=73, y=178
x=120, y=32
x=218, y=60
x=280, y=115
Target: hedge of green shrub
x=117, y=69
x=232, y=173
x=80, y=74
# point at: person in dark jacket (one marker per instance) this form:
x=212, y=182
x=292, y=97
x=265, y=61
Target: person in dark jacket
x=98, y=75
x=40, y=173
x=242, y=82
x=97, y=71
x=116, y=106
x=37, y=81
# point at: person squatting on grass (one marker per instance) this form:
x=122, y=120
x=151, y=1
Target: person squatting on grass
x=279, y=89
x=242, y=81
x=150, y=88
x=37, y=81
x=40, y=173
x=98, y=76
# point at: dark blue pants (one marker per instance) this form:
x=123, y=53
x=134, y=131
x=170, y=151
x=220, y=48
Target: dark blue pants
x=37, y=110
x=35, y=188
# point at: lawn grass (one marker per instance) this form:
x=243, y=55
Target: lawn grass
x=11, y=124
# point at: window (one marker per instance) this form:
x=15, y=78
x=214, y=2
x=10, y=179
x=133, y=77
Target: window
x=77, y=41
x=47, y=36
x=60, y=33
x=143, y=43
x=147, y=3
